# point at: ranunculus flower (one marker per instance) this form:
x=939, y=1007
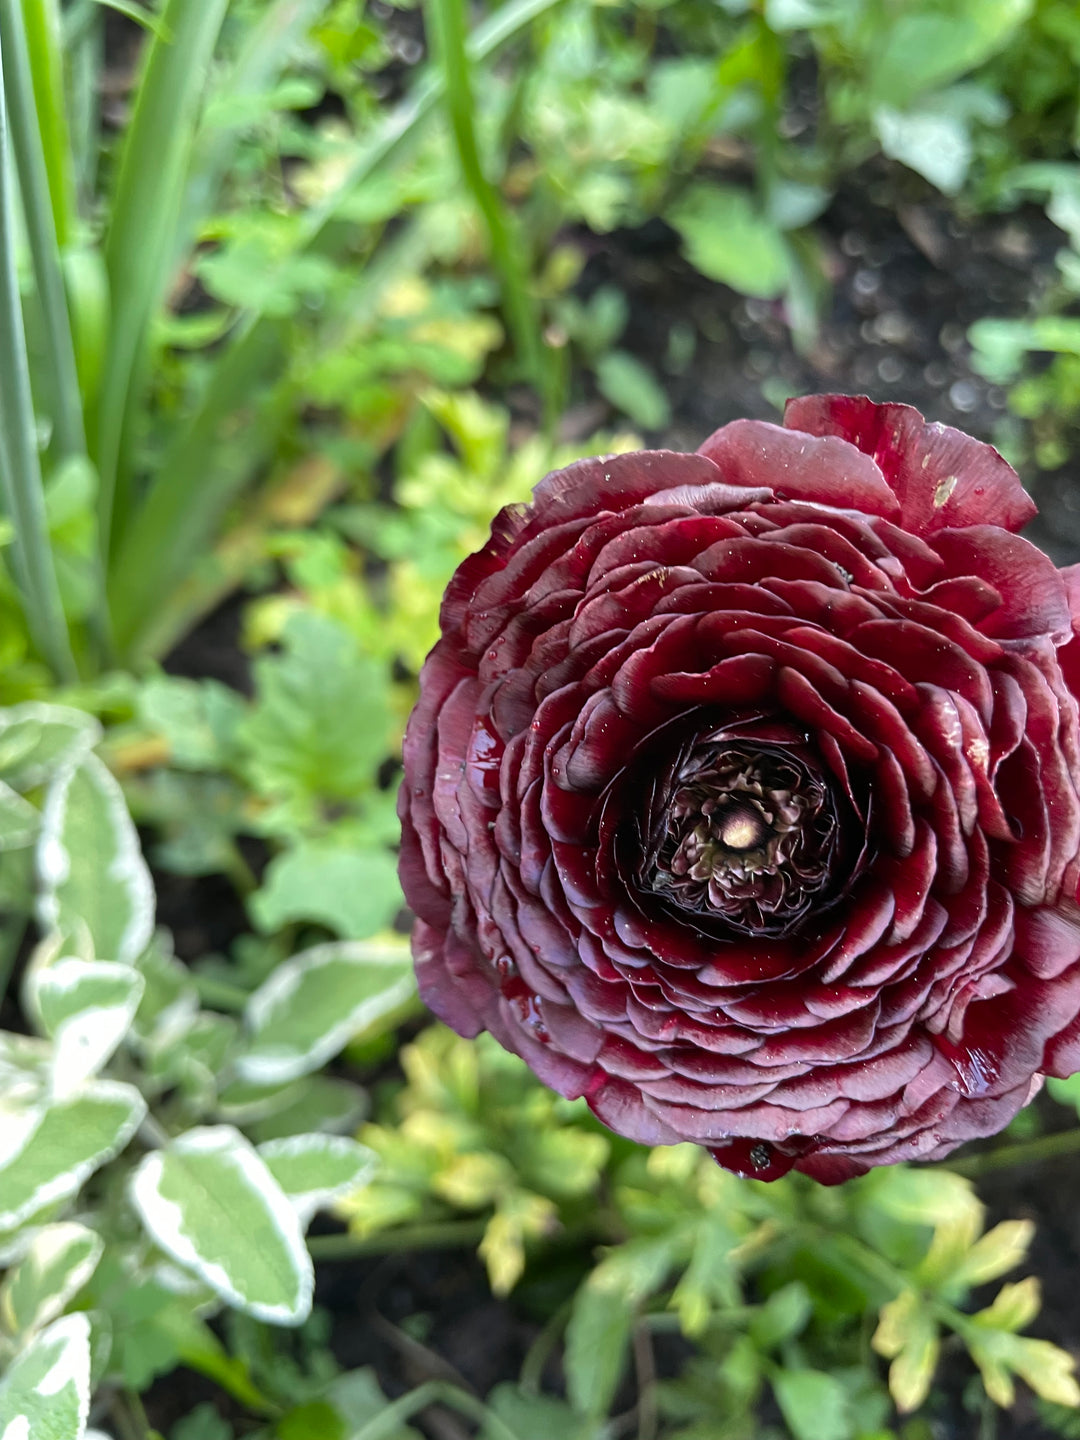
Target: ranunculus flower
x=741, y=794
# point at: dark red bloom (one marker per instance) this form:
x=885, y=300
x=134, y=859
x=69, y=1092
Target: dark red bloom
x=741, y=794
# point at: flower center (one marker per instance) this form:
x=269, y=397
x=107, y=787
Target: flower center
x=744, y=833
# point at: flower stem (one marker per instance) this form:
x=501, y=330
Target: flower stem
x=1027, y=1152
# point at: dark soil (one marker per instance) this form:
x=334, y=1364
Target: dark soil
x=907, y=280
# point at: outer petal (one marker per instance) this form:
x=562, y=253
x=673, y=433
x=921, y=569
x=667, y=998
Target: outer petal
x=942, y=477
x=754, y=453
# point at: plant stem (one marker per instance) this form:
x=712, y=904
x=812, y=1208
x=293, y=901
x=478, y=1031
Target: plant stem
x=1026, y=1152
x=20, y=464
x=438, y=1235
x=388, y=1422
x=507, y=252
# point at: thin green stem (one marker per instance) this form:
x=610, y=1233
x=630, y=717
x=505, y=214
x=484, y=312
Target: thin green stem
x=1026, y=1152
x=219, y=994
x=507, y=252
x=434, y=1392
x=438, y=1235
x=542, y=1349
x=20, y=464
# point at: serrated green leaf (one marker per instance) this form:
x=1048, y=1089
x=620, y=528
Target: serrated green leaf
x=60, y=1260
x=315, y=1170
x=210, y=1202
x=728, y=239
x=994, y=1253
x=87, y=1008
x=352, y=892
x=91, y=866
x=73, y=1139
x=912, y=1372
x=815, y=1405
x=321, y=720
x=316, y=1002
x=45, y=1393
x=1014, y=1306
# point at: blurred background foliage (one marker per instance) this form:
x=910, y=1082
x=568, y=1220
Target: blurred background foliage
x=294, y=295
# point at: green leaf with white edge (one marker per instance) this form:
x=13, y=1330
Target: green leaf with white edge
x=91, y=865
x=87, y=1008
x=60, y=1261
x=355, y=893
x=932, y=142
x=38, y=740
x=210, y=1201
x=727, y=238
x=45, y=1392
x=321, y=1103
x=313, y=1005
x=316, y=1170
x=19, y=820
x=814, y=1404
x=22, y=1109
x=74, y=1138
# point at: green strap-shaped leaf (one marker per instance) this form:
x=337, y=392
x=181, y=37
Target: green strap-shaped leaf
x=38, y=740
x=72, y=1140
x=316, y=1002
x=91, y=865
x=45, y=1394
x=210, y=1201
x=315, y=1170
x=59, y=1262
x=87, y=1008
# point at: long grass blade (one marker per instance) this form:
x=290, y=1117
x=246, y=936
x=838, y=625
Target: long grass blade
x=139, y=245
x=41, y=19
x=448, y=26
x=20, y=465
x=153, y=554
x=41, y=229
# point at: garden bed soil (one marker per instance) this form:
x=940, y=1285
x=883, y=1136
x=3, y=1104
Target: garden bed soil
x=908, y=279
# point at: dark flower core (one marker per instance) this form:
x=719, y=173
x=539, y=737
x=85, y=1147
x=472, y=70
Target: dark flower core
x=743, y=833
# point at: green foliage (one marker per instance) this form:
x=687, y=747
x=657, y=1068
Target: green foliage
x=270, y=334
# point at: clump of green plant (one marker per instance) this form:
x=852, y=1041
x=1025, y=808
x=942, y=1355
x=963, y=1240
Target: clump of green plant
x=770, y=1283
